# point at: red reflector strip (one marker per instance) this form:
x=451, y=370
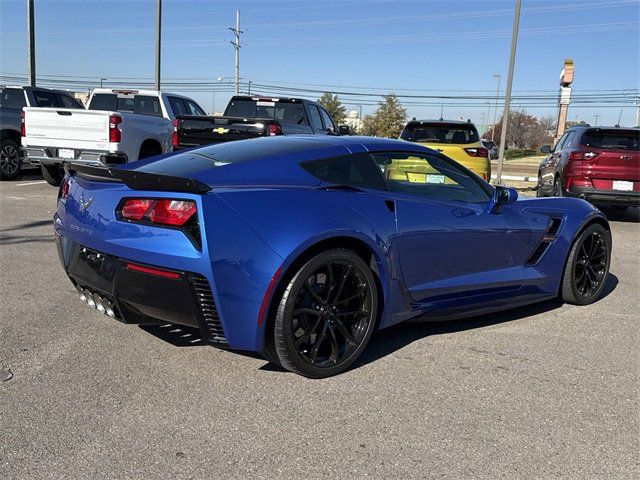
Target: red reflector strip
x=267, y=296
x=153, y=271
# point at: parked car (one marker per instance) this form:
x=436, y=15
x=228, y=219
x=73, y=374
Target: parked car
x=251, y=117
x=300, y=247
x=491, y=147
x=456, y=139
x=12, y=100
x=599, y=164
x=119, y=126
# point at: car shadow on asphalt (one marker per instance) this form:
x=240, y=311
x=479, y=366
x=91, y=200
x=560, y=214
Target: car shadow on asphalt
x=631, y=215
x=384, y=342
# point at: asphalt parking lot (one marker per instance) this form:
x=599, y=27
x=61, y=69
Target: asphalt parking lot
x=541, y=392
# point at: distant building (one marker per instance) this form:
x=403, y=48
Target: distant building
x=353, y=121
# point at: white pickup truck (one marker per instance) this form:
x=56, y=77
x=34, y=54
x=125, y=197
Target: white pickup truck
x=118, y=126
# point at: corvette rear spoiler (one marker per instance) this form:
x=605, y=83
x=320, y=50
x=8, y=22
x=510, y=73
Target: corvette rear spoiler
x=137, y=180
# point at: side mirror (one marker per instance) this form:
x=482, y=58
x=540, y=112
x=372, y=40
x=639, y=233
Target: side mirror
x=545, y=149
x=502, y=196
x=344, y=130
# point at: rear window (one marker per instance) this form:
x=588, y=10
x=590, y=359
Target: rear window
x=439, y=132
x=45, y=98
x=140, y=104
x=612, y=139
x=285, y=112
x=12, y=98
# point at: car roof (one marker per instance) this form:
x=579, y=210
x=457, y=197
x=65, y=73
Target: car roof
x=441, y=120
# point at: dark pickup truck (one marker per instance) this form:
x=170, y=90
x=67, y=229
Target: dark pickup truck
x=251, y=117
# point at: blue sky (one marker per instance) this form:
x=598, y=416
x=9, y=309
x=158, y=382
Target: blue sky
x=420, y=47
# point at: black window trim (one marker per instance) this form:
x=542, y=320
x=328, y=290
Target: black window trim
x=383, y=188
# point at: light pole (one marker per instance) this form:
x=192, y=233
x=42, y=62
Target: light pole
x=596, y=122
x=213, y=107
x=507, y=94
x=495, y=115
x=101, y=80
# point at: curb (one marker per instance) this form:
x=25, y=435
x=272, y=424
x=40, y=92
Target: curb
x=517, y=179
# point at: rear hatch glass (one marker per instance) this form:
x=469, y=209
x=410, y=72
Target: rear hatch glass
x=440, y=132
x=286, y=112
x=628, y=140
x=140, y=104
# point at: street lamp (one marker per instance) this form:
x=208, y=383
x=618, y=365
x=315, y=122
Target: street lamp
x=213, y=107
x=495, y=115
x=101, y=80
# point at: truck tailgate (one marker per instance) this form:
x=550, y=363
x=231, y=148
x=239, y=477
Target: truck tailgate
x=197, y=130
x=66, y=127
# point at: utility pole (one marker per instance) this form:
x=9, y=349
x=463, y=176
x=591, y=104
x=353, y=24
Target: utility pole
x=495, y=115
x=31, y=34
x=507, y=96
x=566, y=79
x=249, y=92
x=236, y=45
x=596, y=122
x=158, y=37
x=441, y=111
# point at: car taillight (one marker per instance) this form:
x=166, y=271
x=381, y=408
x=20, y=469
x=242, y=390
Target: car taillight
x=23, y=130
x=157, y=211
x=135, y=208
x=582, y=155
x=274, y=129
x=174, y=135
x=115, y=135
x=477, y=152
x=63, y=193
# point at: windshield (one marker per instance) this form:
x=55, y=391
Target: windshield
x=439, y=132
x=612, y=139
x=285, y=112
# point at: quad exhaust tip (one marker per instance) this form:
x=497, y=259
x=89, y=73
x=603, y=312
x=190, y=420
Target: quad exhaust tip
x=103, y=305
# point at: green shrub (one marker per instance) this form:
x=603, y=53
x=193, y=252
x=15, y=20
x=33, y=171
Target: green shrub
x=519, y=153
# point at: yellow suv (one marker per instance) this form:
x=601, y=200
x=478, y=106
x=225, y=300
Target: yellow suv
x=457, y=140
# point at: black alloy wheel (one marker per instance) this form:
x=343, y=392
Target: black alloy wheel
x=587, y=266
x=10, y=161
x=326, y=315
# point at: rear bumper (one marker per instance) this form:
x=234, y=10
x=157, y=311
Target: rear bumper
x=49, y=156
x=606, y=197
x=136, y=293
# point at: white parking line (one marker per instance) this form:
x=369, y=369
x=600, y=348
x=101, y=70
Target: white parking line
x=30, y=183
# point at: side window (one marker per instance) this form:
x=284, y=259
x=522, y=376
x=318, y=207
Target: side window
x=193, y=108
x=558, y=146
x=45, y=98
x=430, y=176
x=177, y=106
x=147, y=105
x=12, y=98
x=356, y=169
x=328, y=123
x=568, y=141
x=68, y=102
x=314, y=118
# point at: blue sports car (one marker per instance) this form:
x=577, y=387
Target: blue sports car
x=300, y=247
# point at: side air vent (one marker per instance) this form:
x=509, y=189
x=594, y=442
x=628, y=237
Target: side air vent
x=547, y=239
x=213, y=327
x=554, y=226
x=537, y=254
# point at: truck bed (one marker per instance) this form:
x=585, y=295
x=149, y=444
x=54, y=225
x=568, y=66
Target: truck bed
x=194, y=131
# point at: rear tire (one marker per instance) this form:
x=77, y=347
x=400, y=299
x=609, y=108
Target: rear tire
x=587, y=267
x=539, y=189
x=10, y=161
x=148, y=151
x=326, y=315
x=53, y=174
x=557, y=187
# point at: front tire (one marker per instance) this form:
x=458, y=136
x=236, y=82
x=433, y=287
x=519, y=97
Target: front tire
x=53, y=174
x=326, y=315
x=587, y=267
x=10, y=161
